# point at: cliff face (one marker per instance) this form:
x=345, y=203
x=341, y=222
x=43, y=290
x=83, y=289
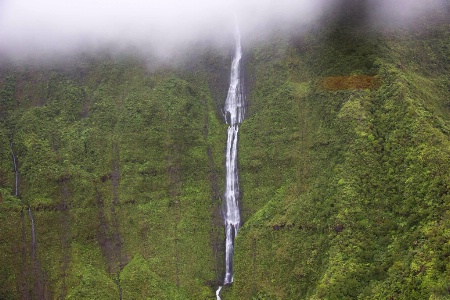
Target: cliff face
x=345, y=168
x=123, y=173
x=343, y=158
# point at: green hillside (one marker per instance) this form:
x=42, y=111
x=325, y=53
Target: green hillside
x=344, y=162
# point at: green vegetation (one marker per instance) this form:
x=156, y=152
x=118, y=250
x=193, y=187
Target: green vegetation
x=346, y=189
x=344, y=165
x=121, y=169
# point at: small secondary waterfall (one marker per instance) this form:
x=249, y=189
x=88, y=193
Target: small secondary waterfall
x=234, y=115
x=16, y=193
x=33, y=235
x=16, y=171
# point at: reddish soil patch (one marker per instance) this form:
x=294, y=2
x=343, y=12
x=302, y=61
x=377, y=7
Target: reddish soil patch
x=354, y=82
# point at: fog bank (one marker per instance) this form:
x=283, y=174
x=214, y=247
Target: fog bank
x=31, y=29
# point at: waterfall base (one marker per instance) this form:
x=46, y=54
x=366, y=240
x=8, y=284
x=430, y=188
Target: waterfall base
x=218, y=292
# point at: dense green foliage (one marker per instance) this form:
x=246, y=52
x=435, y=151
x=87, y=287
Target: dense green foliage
x=345, y=193
x=121, y=170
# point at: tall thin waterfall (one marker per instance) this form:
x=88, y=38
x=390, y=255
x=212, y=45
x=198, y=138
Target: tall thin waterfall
x=234, y=115
x=16, y=193
x=16, y=171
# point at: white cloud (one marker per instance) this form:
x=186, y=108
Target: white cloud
x=33, y=28
x=402, y=11
x=28, y=26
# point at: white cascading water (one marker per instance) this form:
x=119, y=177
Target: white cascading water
x=16, y=193
x=16, y=171
x=234, y=115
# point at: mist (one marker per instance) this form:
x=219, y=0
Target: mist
x=47, y=28
x=402, y=12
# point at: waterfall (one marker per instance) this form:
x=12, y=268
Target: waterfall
x=16, y=193
x=16, y=171
x=33, y=235
x=234, y=115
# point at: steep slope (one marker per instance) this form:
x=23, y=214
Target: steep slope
x=122, y=170
x=344, y=165
x=343, y=159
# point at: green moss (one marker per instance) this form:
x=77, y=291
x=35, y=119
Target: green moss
x=344, y=191
x=346, y=222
